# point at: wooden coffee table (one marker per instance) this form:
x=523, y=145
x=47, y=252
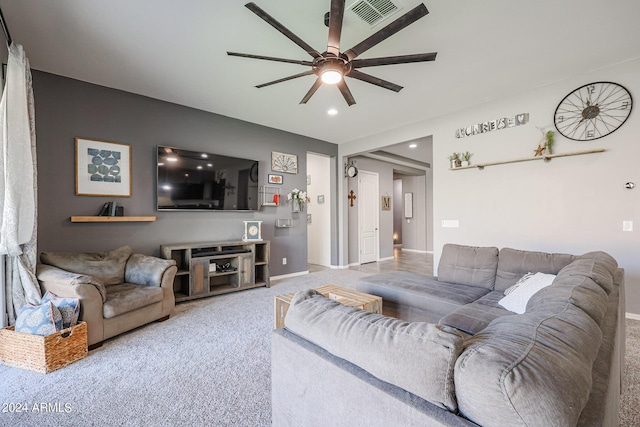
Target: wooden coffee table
x=351, y=298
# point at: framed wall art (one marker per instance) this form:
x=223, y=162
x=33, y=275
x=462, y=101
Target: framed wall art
x=408, y=205
x=386, y=203
x=103, y=168
x=282, y=162
x=274, y=178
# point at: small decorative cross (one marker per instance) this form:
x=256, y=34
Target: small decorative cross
x=351, y=197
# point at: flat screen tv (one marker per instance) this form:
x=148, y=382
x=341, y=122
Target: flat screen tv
x=197, y=180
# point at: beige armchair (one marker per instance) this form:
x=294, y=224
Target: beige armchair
x=118, y=291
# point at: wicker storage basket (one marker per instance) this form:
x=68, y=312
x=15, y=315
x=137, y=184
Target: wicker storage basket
x=43, y=354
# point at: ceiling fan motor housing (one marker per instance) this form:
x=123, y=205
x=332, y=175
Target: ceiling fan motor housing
x=329, y=62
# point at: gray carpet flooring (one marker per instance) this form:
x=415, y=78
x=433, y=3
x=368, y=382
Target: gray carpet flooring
x=209, y=365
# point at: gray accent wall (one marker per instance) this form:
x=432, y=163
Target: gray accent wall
x=571, y=205
x=67, y=108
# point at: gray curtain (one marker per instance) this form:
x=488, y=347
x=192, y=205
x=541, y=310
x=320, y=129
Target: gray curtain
x=18, y=186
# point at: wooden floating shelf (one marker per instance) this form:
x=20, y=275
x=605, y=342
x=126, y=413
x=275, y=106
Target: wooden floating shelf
x=113, y=218
x=546, y=158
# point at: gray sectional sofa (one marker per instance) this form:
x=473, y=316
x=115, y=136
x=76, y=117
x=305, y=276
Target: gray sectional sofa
x=446, y=353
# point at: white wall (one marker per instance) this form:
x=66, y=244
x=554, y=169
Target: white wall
x=573, y=204
x=319, y=230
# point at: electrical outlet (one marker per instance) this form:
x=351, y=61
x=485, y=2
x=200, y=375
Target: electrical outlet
x=627, y=225
x=284, y=261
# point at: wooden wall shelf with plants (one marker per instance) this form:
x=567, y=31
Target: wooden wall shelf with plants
x=150, y=218
x=545, y=157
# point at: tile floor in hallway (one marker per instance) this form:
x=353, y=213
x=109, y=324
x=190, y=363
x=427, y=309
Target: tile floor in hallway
x=402, y=261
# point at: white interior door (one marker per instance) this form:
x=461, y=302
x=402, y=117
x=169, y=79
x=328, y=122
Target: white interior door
x=368, y=216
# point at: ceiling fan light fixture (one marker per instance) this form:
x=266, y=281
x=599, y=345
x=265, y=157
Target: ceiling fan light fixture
x=331, y=76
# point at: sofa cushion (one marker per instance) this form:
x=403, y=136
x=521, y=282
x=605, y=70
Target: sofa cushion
x=127, y=297
x=437, y=297
x=474, y=317
x=107, y=266
x=598, y=266
x=530, y=369
x=146, y=270
x=418, y=357
x=536, y=368
x=516, y=300
x=468, y=265
x=49, y=273
x=69, y=308
x=513, y=264
x=43, y=319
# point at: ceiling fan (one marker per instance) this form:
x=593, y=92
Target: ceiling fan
x=332, y=66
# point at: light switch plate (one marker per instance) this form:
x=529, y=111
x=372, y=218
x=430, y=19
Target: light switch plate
x=450, y=223
x=627, y=225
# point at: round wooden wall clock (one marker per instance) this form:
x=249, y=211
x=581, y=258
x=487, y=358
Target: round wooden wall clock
x=593, y=111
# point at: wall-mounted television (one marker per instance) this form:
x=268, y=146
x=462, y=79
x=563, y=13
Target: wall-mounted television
x=198, y=180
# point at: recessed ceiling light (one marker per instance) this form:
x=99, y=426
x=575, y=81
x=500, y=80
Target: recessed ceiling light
x=413, y=145
x=332, y=112
x=204, y=155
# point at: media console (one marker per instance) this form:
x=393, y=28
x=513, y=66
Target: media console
x=214, y=268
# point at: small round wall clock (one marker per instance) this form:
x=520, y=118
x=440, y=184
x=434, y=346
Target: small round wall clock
x=593, y=111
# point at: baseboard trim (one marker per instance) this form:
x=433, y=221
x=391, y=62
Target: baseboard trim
x=287, y=276
x=632, y=316
x=339, y=267
x=353, y=264
x=415, y=250
x=386, y=259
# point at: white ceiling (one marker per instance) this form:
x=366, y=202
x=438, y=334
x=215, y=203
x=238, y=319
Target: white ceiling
x=176, y=51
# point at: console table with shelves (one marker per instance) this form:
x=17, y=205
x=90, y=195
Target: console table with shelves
x=214, y=268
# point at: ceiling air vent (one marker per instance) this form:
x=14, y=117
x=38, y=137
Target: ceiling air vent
x=373, y=11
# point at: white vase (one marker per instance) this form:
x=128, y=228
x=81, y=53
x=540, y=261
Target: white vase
x=465, y=163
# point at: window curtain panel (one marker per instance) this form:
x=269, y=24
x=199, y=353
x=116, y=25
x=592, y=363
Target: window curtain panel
x=18, y=186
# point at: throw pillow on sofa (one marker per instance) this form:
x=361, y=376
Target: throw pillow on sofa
x=517, y=298
x=107, y=266
x=69, y=308
x=44, y=319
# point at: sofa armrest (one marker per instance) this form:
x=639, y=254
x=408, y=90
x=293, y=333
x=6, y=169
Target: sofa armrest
x=150, y=271
x=87, y=289
x=68, y=284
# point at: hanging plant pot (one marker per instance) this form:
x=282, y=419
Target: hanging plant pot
x=295, y=206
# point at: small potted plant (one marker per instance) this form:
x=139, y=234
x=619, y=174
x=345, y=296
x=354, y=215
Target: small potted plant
x=465, y=158
x=549, y=137
x=455, y=160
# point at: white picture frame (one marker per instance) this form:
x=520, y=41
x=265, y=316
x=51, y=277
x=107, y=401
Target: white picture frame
x=102, y=168
x=408, y=205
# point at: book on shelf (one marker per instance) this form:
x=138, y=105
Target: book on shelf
x=112, y=208
x=104, y=209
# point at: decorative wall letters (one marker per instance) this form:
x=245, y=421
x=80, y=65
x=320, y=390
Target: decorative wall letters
x=497, y=124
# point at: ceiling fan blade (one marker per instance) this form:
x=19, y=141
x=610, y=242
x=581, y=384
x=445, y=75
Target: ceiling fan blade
x=344, y=89
x=270, y=58
x=374, y=80
x=405, y=20
x=284, y=30
x=389, y=60
x=335, y=26
x=284, y=79
x=313, y=90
